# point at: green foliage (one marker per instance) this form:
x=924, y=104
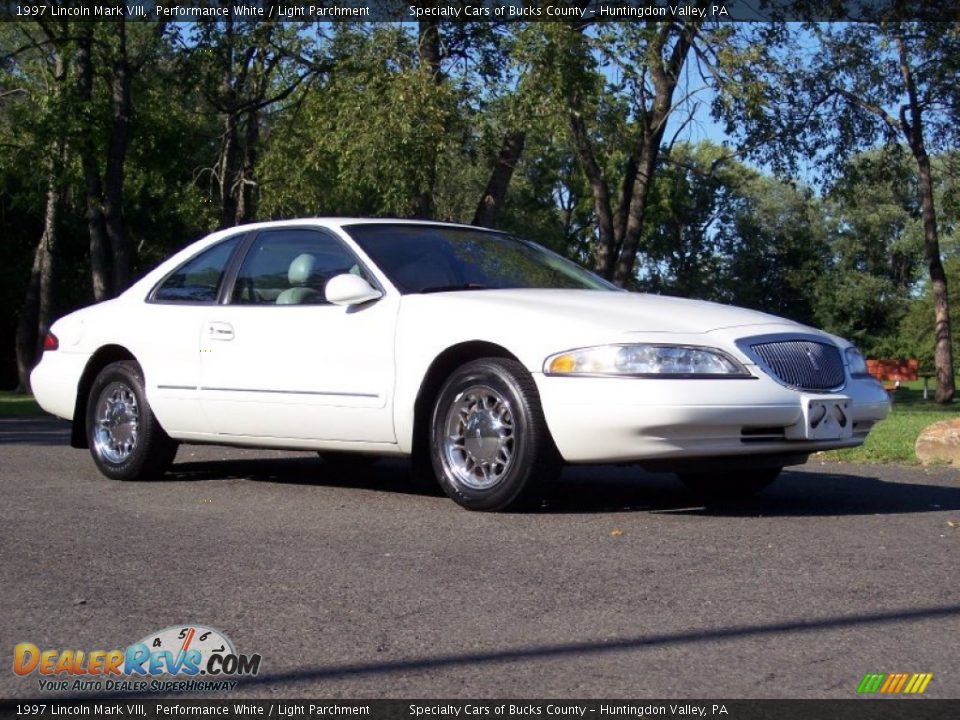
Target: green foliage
x=915, y=337
x=722, y=231
x=356, y=121
x=681, y=252
x=877, y=251
x=893, y=440
x=827, y=91
x=777, y=247
x=356, y=144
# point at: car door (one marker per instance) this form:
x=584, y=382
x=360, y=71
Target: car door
x=168, y=336
x=278, y=361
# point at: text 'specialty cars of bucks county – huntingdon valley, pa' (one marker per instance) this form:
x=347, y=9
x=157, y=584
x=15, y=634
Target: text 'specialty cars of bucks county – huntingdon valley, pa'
x=487, y=358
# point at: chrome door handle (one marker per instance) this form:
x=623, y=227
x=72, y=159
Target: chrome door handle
x=220, y=331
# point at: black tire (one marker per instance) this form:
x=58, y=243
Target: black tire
x=736, y=485
x=503, y=455
x=348, y=460
x=125, y=439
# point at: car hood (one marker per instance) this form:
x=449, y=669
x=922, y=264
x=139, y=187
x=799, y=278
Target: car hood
x=613, y=312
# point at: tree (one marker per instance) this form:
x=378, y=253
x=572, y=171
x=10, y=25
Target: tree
x=53, y=64
x=356, y=141
x=245, y=67
x=602, y=121
x=116, y=52
x=864, y=83
x=876, y=238
x=694, y=192
x=618, y=87
x=720, y=230
x=399, y=125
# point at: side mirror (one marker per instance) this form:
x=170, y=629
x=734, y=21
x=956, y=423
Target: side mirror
x=349, y=289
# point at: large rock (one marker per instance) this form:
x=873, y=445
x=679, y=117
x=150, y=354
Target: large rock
x=940, y=443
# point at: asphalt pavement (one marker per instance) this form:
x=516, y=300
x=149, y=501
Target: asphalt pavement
x=357, y=585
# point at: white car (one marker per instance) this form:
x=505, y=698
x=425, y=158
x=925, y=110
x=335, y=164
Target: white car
x=488, y=359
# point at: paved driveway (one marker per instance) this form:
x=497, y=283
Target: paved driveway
x=356, y=585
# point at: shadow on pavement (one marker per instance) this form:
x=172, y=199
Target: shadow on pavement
x=590, y=648
x=580, y=490
x=824, y=492
x=615, y=489
x=384, y=476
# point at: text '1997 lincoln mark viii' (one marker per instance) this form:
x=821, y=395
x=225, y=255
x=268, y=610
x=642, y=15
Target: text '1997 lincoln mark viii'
x=488, y=359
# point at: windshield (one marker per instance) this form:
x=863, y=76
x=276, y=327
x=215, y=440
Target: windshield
x=432, y=258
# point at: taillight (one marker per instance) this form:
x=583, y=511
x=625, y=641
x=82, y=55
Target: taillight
x=50, y=342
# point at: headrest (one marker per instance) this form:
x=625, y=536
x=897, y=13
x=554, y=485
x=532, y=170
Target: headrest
x=301, y=269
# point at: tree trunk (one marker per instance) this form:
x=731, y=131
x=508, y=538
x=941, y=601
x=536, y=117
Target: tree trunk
x=665, y=73
x=646, y=166
x=626, y=192
x=913, y=130
x=34, y=320
x=619, y=232
x=430, y=56
x=99, y=254
x=943, y=349
x=230, y=145
x=27, y=323
x=228, y=170
x=606, y=252
x=116, y=158
x=495, y=192
x=248, y=192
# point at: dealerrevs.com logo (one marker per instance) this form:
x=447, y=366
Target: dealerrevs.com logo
x=201, y=659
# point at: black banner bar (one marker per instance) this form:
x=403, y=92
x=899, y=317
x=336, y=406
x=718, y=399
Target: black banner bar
x=143, y=709
x=480, y=10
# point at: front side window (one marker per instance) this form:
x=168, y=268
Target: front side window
x=431, y=258
x=198, y=280
x=291, y=267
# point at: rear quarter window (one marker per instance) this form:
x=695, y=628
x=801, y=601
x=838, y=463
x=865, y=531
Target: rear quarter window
x=198, y=280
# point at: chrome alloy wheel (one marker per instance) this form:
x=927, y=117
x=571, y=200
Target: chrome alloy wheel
x=479, y=441
x=117, y=423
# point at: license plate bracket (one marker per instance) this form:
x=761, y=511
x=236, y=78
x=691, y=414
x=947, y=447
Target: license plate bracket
x=824, y=418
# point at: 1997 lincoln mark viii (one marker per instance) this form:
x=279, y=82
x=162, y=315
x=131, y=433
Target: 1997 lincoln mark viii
x=485, y=357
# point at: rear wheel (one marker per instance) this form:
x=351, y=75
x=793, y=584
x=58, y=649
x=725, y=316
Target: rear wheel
x=738, y=484
x=125, y=439
x=489, y=443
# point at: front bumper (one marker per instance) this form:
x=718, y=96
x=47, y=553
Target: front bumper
x=631, y=419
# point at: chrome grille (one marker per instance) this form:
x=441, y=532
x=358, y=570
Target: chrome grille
x=802, y=363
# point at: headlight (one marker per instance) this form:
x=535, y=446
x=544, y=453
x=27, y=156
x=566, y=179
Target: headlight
x=645, y=360
x=855, y=361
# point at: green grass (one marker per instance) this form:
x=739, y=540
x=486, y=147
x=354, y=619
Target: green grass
x=893, y=439
x=16, y=405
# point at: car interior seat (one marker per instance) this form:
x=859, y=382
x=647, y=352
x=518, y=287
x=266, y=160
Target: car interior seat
x=302, y=278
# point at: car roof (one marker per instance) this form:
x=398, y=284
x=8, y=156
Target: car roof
x=336, y=223
x=342, y=222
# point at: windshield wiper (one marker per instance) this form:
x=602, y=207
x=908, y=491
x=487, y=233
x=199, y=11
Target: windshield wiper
x=445, y=288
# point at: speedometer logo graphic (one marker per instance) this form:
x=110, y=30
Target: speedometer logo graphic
x=198, y=642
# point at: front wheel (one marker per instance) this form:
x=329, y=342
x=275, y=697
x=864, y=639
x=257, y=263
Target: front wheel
x=737, y=485
x=126, y=441
x=489, y=443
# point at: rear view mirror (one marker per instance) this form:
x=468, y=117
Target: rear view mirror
x=348, y=289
